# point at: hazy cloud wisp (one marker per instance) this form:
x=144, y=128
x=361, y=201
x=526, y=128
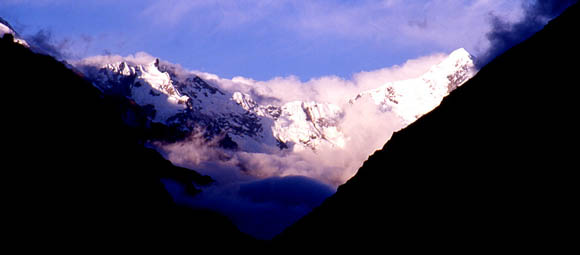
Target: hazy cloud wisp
x=505, y=34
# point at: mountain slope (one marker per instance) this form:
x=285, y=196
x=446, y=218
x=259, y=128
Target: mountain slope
x=76, y=172
x=184, y=100
x=412, y=98
x=491, y=168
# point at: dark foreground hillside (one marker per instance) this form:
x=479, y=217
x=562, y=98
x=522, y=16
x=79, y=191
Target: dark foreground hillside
x=76, y=172
x=492, y=168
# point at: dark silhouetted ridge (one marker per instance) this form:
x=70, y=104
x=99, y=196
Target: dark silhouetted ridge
x=76, y=172
x=491, y=169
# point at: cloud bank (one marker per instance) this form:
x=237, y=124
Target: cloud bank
x=263, y=192
x=328, y=89
x=365, y=126
x=262, y=208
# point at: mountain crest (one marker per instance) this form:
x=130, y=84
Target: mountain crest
x=189, y=103
x=412, y=98
x=6, y=28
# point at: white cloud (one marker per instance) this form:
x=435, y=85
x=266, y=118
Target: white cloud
x=364, y=125
x=329, y=89
x=443, y=23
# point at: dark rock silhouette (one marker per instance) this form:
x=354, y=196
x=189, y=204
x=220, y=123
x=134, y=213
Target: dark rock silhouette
x=76, y=170
x=492, y=168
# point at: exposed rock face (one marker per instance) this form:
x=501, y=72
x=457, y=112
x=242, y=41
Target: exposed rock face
x=187, y=102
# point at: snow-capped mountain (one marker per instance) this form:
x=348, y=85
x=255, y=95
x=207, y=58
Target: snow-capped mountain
x=410, y=99
x=189, y=103
x=306, y=124
x=185, y=102
x=5, y=28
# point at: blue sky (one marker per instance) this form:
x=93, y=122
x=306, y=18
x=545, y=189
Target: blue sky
x=263, y=39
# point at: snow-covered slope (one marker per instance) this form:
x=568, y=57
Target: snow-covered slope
x=305, y=124
x=185, y=102
x=5, y=28
x=412, y=98
x=189, y=103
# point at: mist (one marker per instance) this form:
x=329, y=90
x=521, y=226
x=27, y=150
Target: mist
x=505, y=34
x=263, y=190
x=43, y=42
x=365, y=127
x=327, y=89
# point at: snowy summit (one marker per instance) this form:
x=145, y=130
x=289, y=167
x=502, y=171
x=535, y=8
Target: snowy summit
x=188, y=102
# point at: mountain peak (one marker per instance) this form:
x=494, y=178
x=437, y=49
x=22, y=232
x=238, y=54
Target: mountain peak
x=457, y=59
x=412, y=98
x=460, y=53
x=188, y=102
x=487, y=170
